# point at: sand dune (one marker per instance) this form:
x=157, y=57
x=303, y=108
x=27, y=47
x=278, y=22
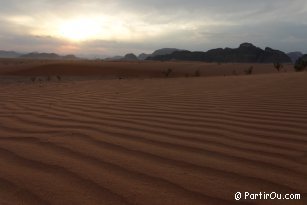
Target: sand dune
x=179, y=141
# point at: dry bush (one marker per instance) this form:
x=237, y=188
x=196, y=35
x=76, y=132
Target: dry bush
x=249, y=70
x=168, y=72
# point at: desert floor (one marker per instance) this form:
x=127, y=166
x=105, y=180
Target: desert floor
x=136, y=70
x=162, y=141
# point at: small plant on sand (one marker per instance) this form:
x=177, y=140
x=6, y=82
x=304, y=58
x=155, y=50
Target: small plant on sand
x=301, y=64
x=249, y=70
x=58, y=77
x=167, y=72
x=40, y=81
x=197, y=73
x=33, y=79
x=234, y=72
x=277, y=65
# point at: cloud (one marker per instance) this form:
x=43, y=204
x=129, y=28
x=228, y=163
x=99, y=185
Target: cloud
x=139, y=25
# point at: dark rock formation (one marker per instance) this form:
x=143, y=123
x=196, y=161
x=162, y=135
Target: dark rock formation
x=9, y=54
x=246, y=53
x=36, y=55
x=164, y=51
x=114, y=58
x=301, y=63
x=270, y=55
x=143, y=56
x=159, y=52
x=70, y=57
x=49, y=56
x=295, y=55
x=130, y=57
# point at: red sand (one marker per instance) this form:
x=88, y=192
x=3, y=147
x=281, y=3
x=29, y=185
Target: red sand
x=140, y=69
x=177, y=141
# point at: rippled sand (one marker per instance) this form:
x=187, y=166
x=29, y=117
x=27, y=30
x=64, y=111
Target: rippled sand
x=179, y=141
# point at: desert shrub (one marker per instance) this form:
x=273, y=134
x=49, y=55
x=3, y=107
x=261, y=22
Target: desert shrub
x=234, y=72
x=277, y=66
x=301, y=63
x=33, y=79
x=167, y=72
x=58, y=77
x=249, y=70
x=197, y=73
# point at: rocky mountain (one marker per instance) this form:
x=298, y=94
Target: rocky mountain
x=9, y=54
x=301, y=63
x=143, y=56
x=69, y=57
x=114, y=58
x=245, y=53
x=127, y=57
x=164, y=51
x=36, y=55
x=51, y=56
x=130, y=57
x=295, y=55
x=159, y=52
x=270, y=55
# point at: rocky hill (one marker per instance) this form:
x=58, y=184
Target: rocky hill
x=159, y=52
x=51, y=56
x=130, y=57
x=295, y=55
x=301, y=63
x=245, y=53
x=9, y=54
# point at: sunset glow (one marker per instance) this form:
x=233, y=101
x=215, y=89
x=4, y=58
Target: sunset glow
x=79, y=30
x=117, y=27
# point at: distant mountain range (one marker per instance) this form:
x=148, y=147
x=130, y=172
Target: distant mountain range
x=159, y=52
x=9, y=54
x=143, y=56
x=245, y=53
x=54, y=56
x=35, y=55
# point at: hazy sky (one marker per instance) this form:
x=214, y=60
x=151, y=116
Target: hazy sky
x=109, y=27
